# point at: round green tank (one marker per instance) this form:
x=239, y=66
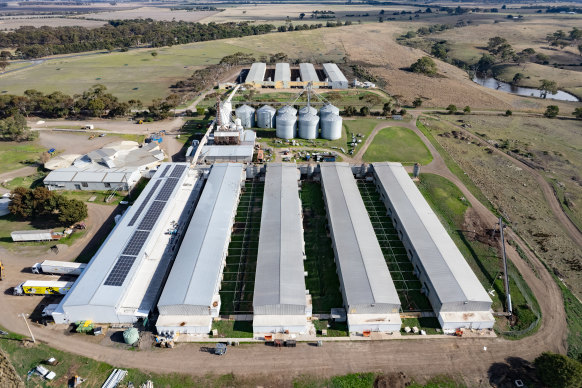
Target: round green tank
x=130, y=336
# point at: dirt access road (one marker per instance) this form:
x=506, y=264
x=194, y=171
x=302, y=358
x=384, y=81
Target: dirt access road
x=449, y=355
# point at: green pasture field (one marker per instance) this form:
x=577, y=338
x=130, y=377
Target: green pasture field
x=397, y=144
x=16, y=155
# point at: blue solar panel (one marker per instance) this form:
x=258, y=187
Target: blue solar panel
x=151, y=217
x=143, y=204
x=136, y=242
x=166, y=169
x=167, y=189
x=177, y=172
x=120, y=270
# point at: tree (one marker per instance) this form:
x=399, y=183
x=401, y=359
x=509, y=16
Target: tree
x=467, y=109
x=364, y=111
x=508, y=112
x=551, y=111
x=301, y=16
x=424, y=65
x=452, y=109
x=517, y=78
x=485, y=63
x=548, y=86
x=5, y=54
x=14, y=128
x=351, y=111
x=578, y=113
x=542, y=58
x=380, y=19
x=495, y=41
x=154, y=54
x=71, y=211
x=417, y=102
x=558, y=371
x=3, y=65
x=387, y=108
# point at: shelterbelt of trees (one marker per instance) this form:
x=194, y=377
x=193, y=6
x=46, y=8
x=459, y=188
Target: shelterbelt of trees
x=31, y=42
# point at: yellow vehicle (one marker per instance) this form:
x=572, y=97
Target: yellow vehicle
x=43, y=287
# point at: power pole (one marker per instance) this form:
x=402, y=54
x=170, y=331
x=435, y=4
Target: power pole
x=505, y=274
x=30, y=331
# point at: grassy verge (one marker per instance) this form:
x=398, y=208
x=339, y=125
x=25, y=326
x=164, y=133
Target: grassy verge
x=334, y=329
x=397, y=144
x=233, y=329
x=446, y=200
x=322, y=280
x=30, y=182
x=560, y=194
x=455, y=169
x=96, y=372
x=372, y=380
x=16, y=155
x=429, y=324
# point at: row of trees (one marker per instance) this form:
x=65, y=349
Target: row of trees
x=32, y=204
x=95, y=102
x=31, y=42
x=14, y=128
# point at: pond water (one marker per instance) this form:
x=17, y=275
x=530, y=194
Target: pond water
x=492, y=83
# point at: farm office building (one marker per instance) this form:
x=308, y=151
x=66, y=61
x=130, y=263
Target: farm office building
x=123, y=280
x=191, y=299
x=280, y=301
x=455, y=293
x=369, y=294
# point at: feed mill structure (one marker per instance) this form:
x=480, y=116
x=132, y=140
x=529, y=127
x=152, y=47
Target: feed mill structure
x=123, y=280
x=455, y=293
x=369, y=294
x=190, y=299
x=280, y=301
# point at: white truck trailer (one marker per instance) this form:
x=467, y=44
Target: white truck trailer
x=59, y=267
x=35, y=235
x=42, y=287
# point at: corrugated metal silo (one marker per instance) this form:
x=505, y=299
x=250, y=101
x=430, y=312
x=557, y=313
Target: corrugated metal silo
x=246, y=114
x=328, y=109
x=331, y=126
x=266, y=116
x=286, y=125
x=308, y=126
x=287, y=108
x=307, y=109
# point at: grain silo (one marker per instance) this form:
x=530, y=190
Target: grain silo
x=246, y=114
x=307, y=109
x=328, y=109
x=287, y=108
x=266, y=116
x=331, y=126
x=286, y=125
x=308, y=126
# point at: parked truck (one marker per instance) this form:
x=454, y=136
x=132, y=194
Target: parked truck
x=42, y=287
x=58, y=267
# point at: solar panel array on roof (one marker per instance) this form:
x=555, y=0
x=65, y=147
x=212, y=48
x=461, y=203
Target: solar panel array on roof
x=167, y=189
x=166, y=169
x=177, y=171
x=136, y=242
x=151, y=216
x=145, y=202
x=120, y=270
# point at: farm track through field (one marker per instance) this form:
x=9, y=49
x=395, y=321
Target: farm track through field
x=451, y=355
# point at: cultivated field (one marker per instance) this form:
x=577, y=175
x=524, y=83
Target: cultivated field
x=165, y=14
x=517, y=196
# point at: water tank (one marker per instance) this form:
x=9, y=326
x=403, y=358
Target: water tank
x=328, y=109
x=287, y=108
x=416, y=170
x=331, y=126
x=266, y=116
x=130, y=336
x=308, y=126
x=307, y=109
x=246, y=114
x=286, y=125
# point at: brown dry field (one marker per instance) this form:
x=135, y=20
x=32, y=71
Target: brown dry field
x=154, y=13
x=13, y=23
x=373, y=46
x=517, y=195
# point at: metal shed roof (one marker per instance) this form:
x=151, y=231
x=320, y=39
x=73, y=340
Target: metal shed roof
x=366, y=278
x=257, y=72
x=196, y=271
x=334, y=73
x=279, y=278
x=444, y=264
x=308, y=72
x=89, y=289
x=282, y=72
